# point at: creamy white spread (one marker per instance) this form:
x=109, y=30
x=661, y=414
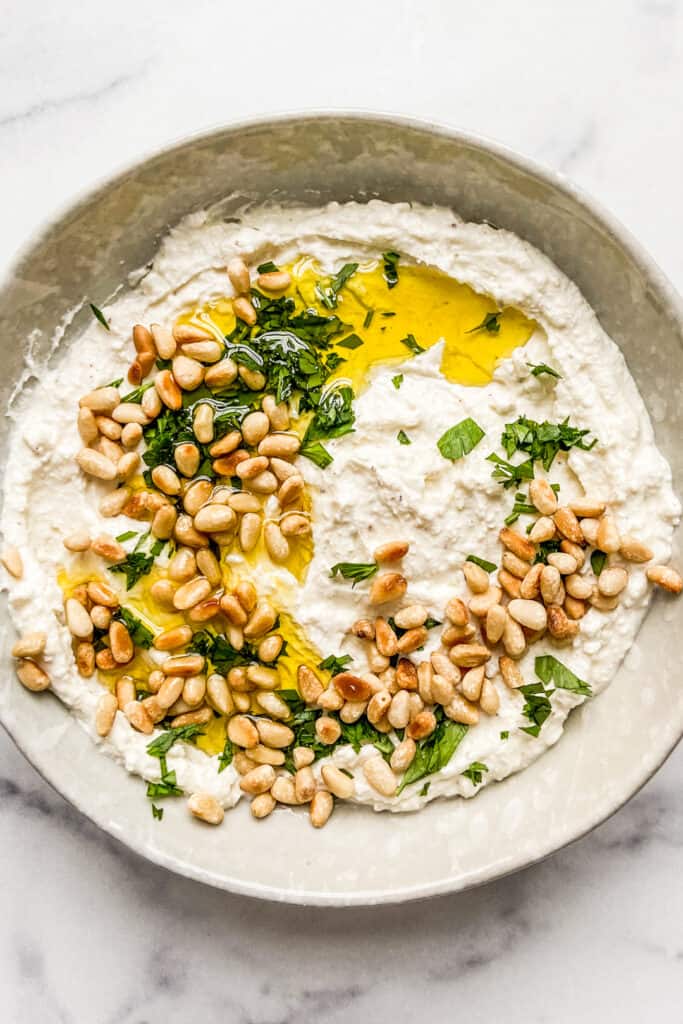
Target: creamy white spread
x=376, y=489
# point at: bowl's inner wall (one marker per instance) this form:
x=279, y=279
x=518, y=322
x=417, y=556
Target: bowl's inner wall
x=619, y=739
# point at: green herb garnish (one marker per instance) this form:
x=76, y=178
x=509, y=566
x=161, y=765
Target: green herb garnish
x=163, y=743
x=99, y=315
x=510, y=475
x=390, y=268
x=135, y=565
x=425, y=789
x=328, y=295
x=267, y=268
x=521, y=507
x=434, y=752
x=550, y=670
x=139, y=633
x=226, y=755
x=460, y=439
x=490, y=323
x=475, y=772
x=505, y=734
x=317, y=453
x=397, y=380
x=536, y=708
x=598, y=559
x=355, y=571
x=411, y=343
x=482, y=563
x=335, y=664
x=368, y=318
x=542, y=441
x=403, y=438
x=157, y=812
x=540, y=368
x=545, y=548
x=351, y=342
x=128, y=535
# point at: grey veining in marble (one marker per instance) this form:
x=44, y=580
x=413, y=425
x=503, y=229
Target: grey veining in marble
x=89, y=933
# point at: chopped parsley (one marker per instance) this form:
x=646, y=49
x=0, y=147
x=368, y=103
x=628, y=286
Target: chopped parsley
x=139, y=633
x=355, y=571
x=335, y=664
x=317, y=453
x=99, y=315
x=475, y=773
x=397, y=380
x=460, y=439
x=542, y=441
x=540, y=368
x=537, y=706
x=490, y=324
x=369, y=316
x=505, y=734
x=135, y=565
x=550, y=670
x=521, y=507
x=226, y=755
x=411, y=343
x=598, y=559
x=433, y=752
x=163, y=743
x=545, y=548
x=157, y=812
x=334, y=417
x=390, y=268
x=267, y=268
x=482, y=563
x=328, y=294
x=510, y=475
x=351, y=341
x=403, y=438
x=128, y=535
x=217, y=649
x=425, y=789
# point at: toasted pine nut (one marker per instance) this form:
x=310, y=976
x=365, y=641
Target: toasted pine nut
x=130, y=412
x=531, y=614
x=238, y=272
x=274, y=734
x=274, y=281
x=242, y=502
x=101, y=593
x=249, y=469
x=151, y=403
x=388, y=586
x=186, y=458
x=250, y=528
x=263, y=677
x=208, y=351
x=352, y=687
x=283, y=791
x=170, y=690
x=171, y=639
x=30, y=645
x=510, y=584
x=242, y=731
x=442, y=664
x=612, y=581
x=277, y=544
x=399, y=711
x=214, y=518
x=105, y=713
x=127, y=465
x=574, y=608
x=184, y=333
x=443, y=691
x=125, y=691
x=489, y=700
x=564, y=563
x=578, y=587
x=378, y=706
x=425, y=674
x=602, y=603
x=104, y=660
x=185, y=533
x=87, y=426
x=244, y=310
x=102, y=400
x=516, y=566
x=182, y=567
x=264, y=483
x=543, y=496
x=78, y=541
x=586, y=508
x=666, y=577
x=191, y=593
x=353, y=711
x=295, y=524
x=153, y=708
x=559, y=625
x=472, y=683
x=302, y=756
x=187, y=373
x=514, y=640
x=379, y=775
x=258, y=780
x=168, y=390
x=110, y=428
x=477, y=579
x=77, y=619
x=543, y=529
x=422, y=725
x=551, y=585
x=196, y=496
x=392, y=551
x=32, y=676
x=206, y=808
x=337, y=782
x=406, y=674
x=290, y=490
x=164, y=341
x=321, y=808
x=386, y=640
x=281, y=445
x=278, y=414
x=116, y=502
x=272, y=704
x=262, y=805
x=568, y=525
x=282, y=469
x=519, y=545
x=163, y=522
x=412, y=640
x=633, y=550
x=310, y=686
x=328, y=730
x=495, y=623
x=304, y=784
x=166, y=479
x=480, y=603
x=461, y=710
x=138, y=717
x=120, y=642
x=255, y=426
x=262, y=620
x=469, y=655
x=95, y=464
x=208, y=565
x=183, y=665
x=511, y=673
x=530, y=586
x=608, y=538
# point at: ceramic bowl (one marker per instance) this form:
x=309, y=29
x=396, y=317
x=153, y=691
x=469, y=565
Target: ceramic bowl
x=612, y=744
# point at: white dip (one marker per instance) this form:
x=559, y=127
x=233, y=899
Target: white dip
x=376, y=490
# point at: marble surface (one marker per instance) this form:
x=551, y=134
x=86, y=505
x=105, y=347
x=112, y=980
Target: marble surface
x=88, y=932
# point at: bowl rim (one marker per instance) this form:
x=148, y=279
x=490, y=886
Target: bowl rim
x=558, y=181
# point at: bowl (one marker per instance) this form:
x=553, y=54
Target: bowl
x=611, y=746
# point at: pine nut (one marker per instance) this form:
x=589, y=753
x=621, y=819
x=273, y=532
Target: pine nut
x=183, y=665
x=245, y=592
x=249, y=469
x=328, y=730
x=221, y=374
x=511, y=673
x=171, y=639
x=602, y=603
x=353, y=711
x=412, y=640
x=309, y=685
x=399, y=711
x=302, y=756
x=203, y=351
x=495, y=623
x=202, y=423
x=281, y=445
x=378, y=706
x=118, y=501
x=586, y=508
x=337, y=782
x=261, y=754
x=215, y=519
x=272, y=704
x=249, y=531
x=276, y=544
x=125, y=691
x=12, y=561
x=519, y=545
x=127, y=465
x=255, y=426
x=101, y=593
x=238, y=272
x=608, y=539
x=469, y=655
x=263, y=677
x=196, y=496
x=77, y=619
x=579, y=587
x=612, y=581
x=633, y=550
x=379, y=775
x=138, y=717
x=559, y=626
x=185, y=533
x=168, y=390
x=191, y=593
x=258, y=780
x=202, y=716
x=282, y=470
x=568, y=525
x=528, y=613
x=130, y=412
x=574, y=608
x=264, y=483
x=187, y=373
x=456, y=612
x=120, y=643
x=274, y=281
x=515, y=565
x=290, y=490
x=170, y=690
x=442, y=691
x=472, y=682
x=480, y=603
x=186, y=457
x=321, y=808
x=406, y=675
x=262, y=620
x=206, y=808
x=163, y=523
x=489, y=700
x=164, y=341
x=85, y=659
x=274, y=734
x=278, y=414
x=105, y=713
x=283, y=791
x=32, y=676
x=262, y=805
x=543, y=496
x=542, y=530
x=242, y=731
x=666, y=577
x=181, y=568
x=184, y=333
x=29, y=645
x=461, y=710
x=102, y=400
x=79, y=541
x=551, y=585
x=386, y=640
x=242, y=502
x=442, y=665
x=166, y=479
x=151, y=404
x=110, y=428
x=514, y=640
x=87, y=426
x=295, y=524
x=388, y=586
x=154, y=710
x=530, y=586
x=110, y=449
x=304, y=785
x=244, y=310
x=352, y=687
x=477, y=579
x=154, y=680
x=95, y=464
x=136, y=506
x=422, y=725
x=104, y=660
x=510, y=584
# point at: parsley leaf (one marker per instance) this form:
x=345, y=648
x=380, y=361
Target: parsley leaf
x=157, y=812
x=139, y=633
x=490, y=323
x=317, y=453
x=352, y=341
x=550, y=670
x=545, y=548
x=328, y=295
x=403, y=438
x=425, y=789
x=510, y=475
x=334, y=416
x=363, y=732
x=128, y=535
x=135, y=565
x=482, y=563
x=219, y=651
x=475, y=772
x=460, y=439
x=99, y=315
x=267, y=268
x=368, y=318
x=390, y=268
x=226, y=755
x=541, y=368
x=335, y=664
x=536, y=708
x=160, y=746
x=355, y=571
x=505, y=734
x=434, y=752
x=542, y=441
x=598, y=559
x=521, y=507
x=411, y=343
x=397, y=380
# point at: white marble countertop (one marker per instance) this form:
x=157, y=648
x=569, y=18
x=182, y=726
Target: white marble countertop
x=89, y=933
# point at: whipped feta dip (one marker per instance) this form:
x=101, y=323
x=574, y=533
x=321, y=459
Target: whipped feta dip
x=376, y=489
